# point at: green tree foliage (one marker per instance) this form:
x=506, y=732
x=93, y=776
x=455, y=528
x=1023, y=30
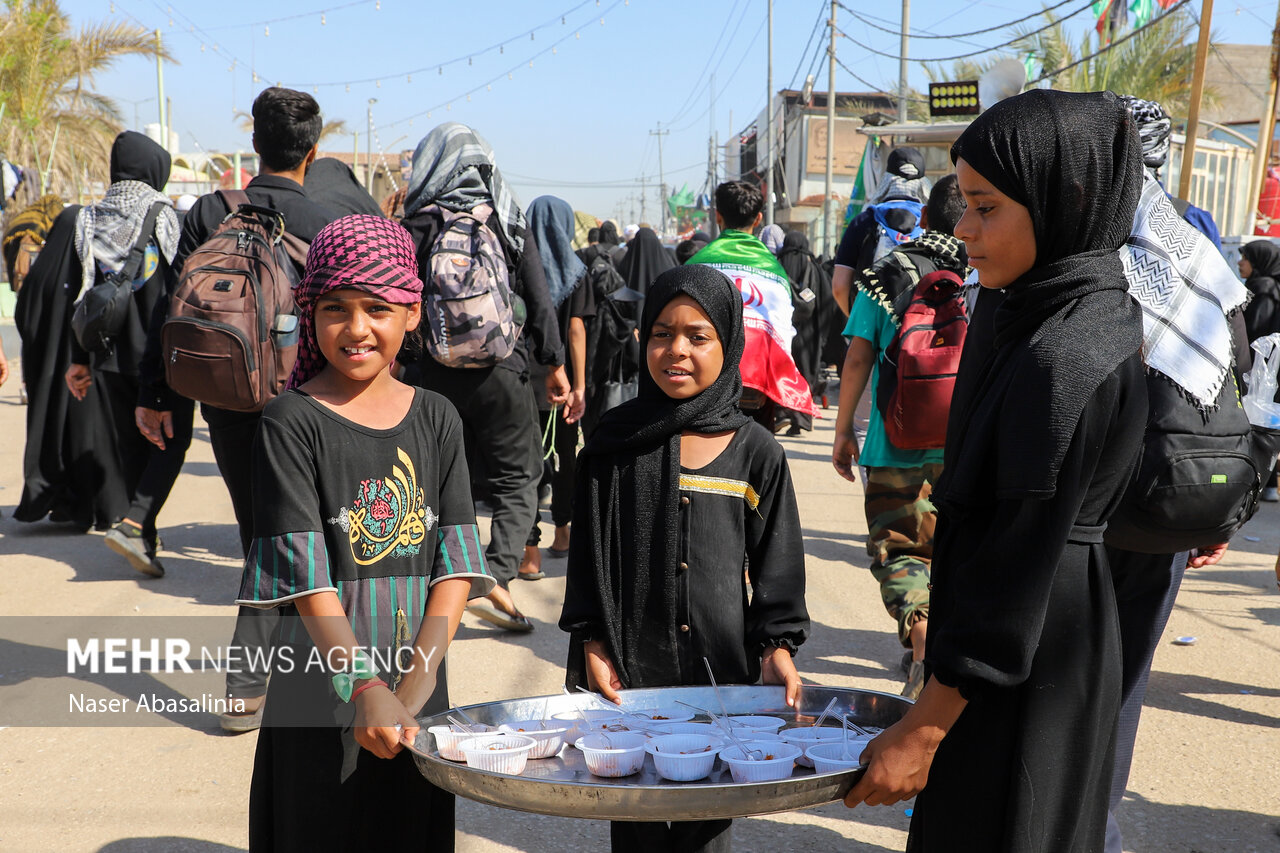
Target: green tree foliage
x=47, y=73
x=1155, y=64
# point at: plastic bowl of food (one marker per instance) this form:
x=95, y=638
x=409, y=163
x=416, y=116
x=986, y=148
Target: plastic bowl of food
x=777, y=764
x=550, y=737
x=449, y=738
x=807, y=737
x=683, y=758
x=827, y=757
x=710, y=730
x=613, y=754
x=501, y=753
x=661, y=715
x=758, y=723
x=595, y=721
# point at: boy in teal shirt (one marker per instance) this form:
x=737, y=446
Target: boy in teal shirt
x=900, y=516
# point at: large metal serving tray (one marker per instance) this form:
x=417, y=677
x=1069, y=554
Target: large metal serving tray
x=563, y=786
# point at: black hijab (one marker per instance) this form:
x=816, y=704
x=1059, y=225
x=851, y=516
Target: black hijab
x=645, y=260
x=625, y=549
x=1074, y=161
x=135, y=157
x=1264, y=256
x=331, y=183
x=608, y=234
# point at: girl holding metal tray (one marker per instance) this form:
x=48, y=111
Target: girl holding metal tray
x=679, y=492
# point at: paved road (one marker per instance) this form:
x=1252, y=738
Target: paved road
x=1204, y=779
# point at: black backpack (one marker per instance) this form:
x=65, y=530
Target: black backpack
x=101, y=313
x=1198, y=477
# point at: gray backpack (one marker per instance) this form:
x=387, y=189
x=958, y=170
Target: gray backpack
x=472, y=316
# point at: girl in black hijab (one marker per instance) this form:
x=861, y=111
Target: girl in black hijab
x=1260, y=268
x=676, y=490
x=1015, y=728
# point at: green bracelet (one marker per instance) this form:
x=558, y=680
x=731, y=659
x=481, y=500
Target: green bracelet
x=361, y=668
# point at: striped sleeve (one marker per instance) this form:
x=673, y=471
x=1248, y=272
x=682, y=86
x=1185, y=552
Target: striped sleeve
x=460, y=556
x=284, y=567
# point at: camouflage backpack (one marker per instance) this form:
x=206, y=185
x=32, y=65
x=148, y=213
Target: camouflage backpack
x=473, y=318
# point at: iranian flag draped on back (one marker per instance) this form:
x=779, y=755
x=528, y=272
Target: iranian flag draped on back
x=766, y=312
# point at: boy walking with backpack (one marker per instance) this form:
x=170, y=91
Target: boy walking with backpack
x=921, y=276
x=286, y=128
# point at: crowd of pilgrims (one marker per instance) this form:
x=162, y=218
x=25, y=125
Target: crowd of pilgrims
x=635, y=397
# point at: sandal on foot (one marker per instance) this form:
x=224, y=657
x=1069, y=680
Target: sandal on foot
x=530, y=576
x=518, y=622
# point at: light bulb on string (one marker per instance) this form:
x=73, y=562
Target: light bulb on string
x=502, y=48
x=322, y=20
x=562, y=20
x=530, y=63
x=171, y=23
x=578, y=36
x=202, y=48
x=266, y=31
x=531, y=36
x=448, y=107
x=315, y=90
x=428, y=113
x=509, y=77
x=377, y=6
x=377, y=84
x=602, y=22
x=468, y=97
x=111, y=7
x=408, y=78
x=553, y=50
x=489, y=87
x=440, y=70
x=469, y=62
x=348, y=87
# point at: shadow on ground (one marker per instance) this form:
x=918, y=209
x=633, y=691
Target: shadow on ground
x=166, y=844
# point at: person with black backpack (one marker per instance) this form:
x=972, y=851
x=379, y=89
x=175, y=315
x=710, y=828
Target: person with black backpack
x=486, y=313
x=900, y=474
x=1202, y=464
x=286, y=127
x=116, y=254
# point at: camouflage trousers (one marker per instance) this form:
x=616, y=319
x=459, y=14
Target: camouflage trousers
x=900, y=522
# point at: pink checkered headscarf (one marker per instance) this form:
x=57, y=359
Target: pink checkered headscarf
x=365, y=252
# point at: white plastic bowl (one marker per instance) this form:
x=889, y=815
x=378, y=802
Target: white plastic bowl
x=613, y=754
x=772, y=769
x=758, y=723
x=826, y=756
x=596, y=720
x=499, y=753
x=661, y=716
x=449, y=738
x=710, y=730
x=807, y=737
x=550, y=737
x=683, y=758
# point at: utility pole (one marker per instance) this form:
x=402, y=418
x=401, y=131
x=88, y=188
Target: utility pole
x=643, y=192
x=1266, y=129
x=1193, y=113
x=902, y=61
x=662, y=180
x=768, y=120
x=711, y=162
x=827, y=224
x=164, y=130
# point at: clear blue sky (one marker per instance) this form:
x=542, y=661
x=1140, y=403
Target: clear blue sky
x=577, y=123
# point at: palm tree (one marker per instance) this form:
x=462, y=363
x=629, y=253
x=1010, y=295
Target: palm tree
x=1154, y=64
x=53, y=119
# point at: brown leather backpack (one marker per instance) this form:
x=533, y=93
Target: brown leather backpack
x=231, y=336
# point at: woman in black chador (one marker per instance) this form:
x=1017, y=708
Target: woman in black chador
x=1046, y=421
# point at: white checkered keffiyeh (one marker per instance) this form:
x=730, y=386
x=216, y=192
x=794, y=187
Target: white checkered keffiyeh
x=1186, y=291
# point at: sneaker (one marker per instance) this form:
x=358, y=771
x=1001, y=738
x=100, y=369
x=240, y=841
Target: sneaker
x=915, y=681
x=128, y=541
x=1270, y=494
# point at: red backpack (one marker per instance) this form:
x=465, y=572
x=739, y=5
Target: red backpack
x=918, y=372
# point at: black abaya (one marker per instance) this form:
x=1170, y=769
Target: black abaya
x=69, y=465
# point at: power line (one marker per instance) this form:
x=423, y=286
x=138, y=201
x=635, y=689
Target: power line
x=957, y=36
x=509, y=73
x=621, y=183
x=732, y=74
x=498, y=46
x=822, y=10
x=1112, y=45
x=874, y=87
x=294, y=17
x=689, y=98
x=985, y=50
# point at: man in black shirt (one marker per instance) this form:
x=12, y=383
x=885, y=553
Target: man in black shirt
x=286, y=128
